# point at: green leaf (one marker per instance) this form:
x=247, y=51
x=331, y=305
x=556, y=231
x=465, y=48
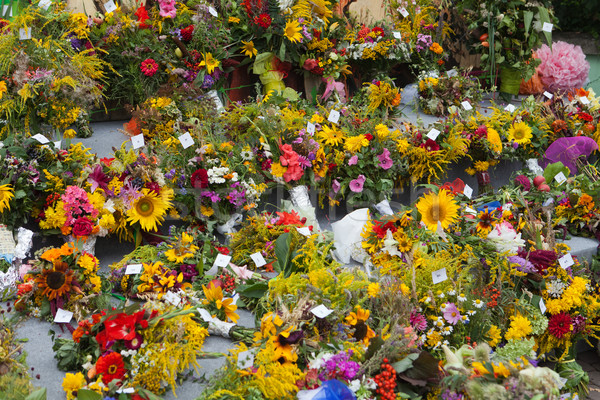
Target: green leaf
x=39, y=394
x=282, y=51
x=255, y=291
x=86, y=394
x=527, y=17
x=425, y=366
x=545, y=17
x=406, y=363
x=282, y=252
x=19, y=194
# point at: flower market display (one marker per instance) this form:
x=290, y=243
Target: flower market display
x=285, y=213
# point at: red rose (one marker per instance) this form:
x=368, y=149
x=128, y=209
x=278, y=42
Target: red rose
x=310, y=64
x=82, y=227
x=199, y=179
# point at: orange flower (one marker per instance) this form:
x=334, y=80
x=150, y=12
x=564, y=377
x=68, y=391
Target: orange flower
x=51, y=254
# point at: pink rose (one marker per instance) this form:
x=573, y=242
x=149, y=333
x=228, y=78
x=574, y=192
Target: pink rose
x=310, y=64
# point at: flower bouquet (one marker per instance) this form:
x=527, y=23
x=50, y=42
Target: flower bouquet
x=437, y=94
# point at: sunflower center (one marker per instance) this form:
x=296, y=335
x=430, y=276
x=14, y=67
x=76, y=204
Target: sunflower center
x=436, y=212
x=55, y=280
x=145, y=207
x=112, y=369
x=519, y=133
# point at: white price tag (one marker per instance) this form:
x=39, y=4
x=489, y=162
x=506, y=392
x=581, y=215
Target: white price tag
x=542, y=306
x=547, y=27
x=466, y=105
x=321, y=311
x=548, y=95
x=126, y=390
x=186, y=140
x=397, y=35
x=560, y=177
x=334, y=116
x=63, y=316
x=25, y=33
x=548, y=202
x=469, y=210
x=584, y=100
x=452, y=73
x=222, y=260
x=258, y=259
x=133, y=269
x=510, y=108
x=566, y=261
x=433, y=134
x=205, y=315
x=41, y=138
x=304, y=231
x=44, y=4
x=245, y=359
x=403, y=11
x=213, y=12
x=439, y=276
x=137, y=141
x=468, y=191
x=311, y=128
x=57, y=144
x=110, y=6
x=172, y=298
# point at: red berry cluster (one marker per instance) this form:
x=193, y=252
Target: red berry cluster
x=228, y=283
x=386, y=381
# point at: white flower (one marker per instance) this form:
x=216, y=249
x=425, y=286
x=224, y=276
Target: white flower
x=447, y=330
x=478, y=303
x=505, y=238
x=451, y=292
x=555, y=288
x=247, y=155
x=461, y=297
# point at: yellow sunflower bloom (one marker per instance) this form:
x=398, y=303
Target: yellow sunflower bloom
x=248, y=49
x=436, y=208
x=149, y=210
x=292, y=31
x=6, y=194
x=331, y=136
x=520, y=133
x=209, y=62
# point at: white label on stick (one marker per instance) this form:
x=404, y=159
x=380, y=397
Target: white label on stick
x=566, y=261
x=63, y=316
x=403, y=11
x=466, y=105
x=469, y=210
x=110, y=6
x=304, y=231
x=334, y=116
x=213, y=12
x=222, y=260
x=137, y=141
x=547, y=27
x=548, y=95
x=560, y=177
x=510, y=108
x=321, y=311
x=245, y=359
x=172, y=298
x=542, y=306
x=468, y=191
x=41, y=138
x=25, y=33
x=133, y=269
x=439, y=276
x=311, y=128
x=584, y=100
x=186, y=140
x=433, y=134
x=44, y=4
x=452, y=73
x=397, y=35
x=258, y=259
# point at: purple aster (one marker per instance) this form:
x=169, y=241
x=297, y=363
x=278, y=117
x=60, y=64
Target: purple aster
x=208, y=82
x=523, y=264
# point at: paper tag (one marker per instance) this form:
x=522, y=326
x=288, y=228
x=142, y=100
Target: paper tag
x=433, y=134
x=334, y=116
x=57, y=144
x=137, y=141
x=245, y=359
x=403, y=11
x=547, y=27
x=542, y=306
x=397, y=35
x=468, y=191
x=466, y=105
x=41, y=138
x=44, y=4
x=126, y=390
x=258, y=259
x=510, y=108
x=110, y=6
x=213, y=12
x=548, y=95
x=321, y=311
x=584, y=100
x=563, y=381
x=439, y=276
x=133, y=269
x=205, y=315
x=172, y=298
x=311, y=128
x=186, y=140
x=560, y=177
x=304, y=231
x=469, y=210
x=566, y=261
x=222, y=260
x=548, y=202
x=63, y=316
x=25, y=33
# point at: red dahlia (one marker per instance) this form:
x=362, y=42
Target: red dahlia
x=110, y=367
x=264, y=20
x=560, y=324
x=149, y=67
x=186, y=33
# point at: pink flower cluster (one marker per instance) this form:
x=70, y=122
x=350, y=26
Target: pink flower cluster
x=291, y=160
x=167, y=8
x=77, y=204
x=563, y=67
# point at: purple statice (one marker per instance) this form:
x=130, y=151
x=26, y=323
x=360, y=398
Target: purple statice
x=306, y=33
x=523, y=264
x=208, y=82
x=339, y=366
x=170, y=174
x=213, y=196
x=188, y=271
x=424, y=42
x=176, y=33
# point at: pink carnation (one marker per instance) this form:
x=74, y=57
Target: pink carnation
x=563, y=67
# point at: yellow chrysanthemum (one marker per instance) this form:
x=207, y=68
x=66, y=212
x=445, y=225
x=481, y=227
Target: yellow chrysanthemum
x=494, y=139
x=277, y=169
x=331, y=136
x=382, y=131
x=373, y=289
x=436, y=208
x=519, y=328
x=248, y=49
x=149, y=210
x=72, y=383
x=355, y=143
x=6, y=194
x=520, y=133
x=292, y=31
x=494, y=335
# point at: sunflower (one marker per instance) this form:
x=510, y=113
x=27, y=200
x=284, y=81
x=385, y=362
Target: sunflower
x=404, y=242
x=248, y=48
x=283, y=351
x=209, y=62
x=56, y=281
x=486, y=222
x=436, y=208
x=6, y=194
x=520, y=133
x=148, y=210
x=292, y=31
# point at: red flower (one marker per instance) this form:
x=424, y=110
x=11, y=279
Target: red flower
x=149, y=67
x=369, y=137
x=186, y=33
x=431, y=145
x=291, y=218
x=82, y=227
x=111, y=367
x=456, y=187
x=142, y=16
x=264, y=20
x=586, y=117
x=560, y=324
x=378, y=31
x=199, y=179
x=222, y=250
x=122, y=326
